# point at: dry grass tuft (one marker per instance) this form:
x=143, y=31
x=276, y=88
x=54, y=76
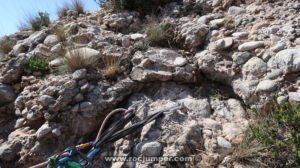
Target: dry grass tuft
x=61, y=34
x=35, y=22
x=248, y=149
x=6, y=44
x=155, y=32
x=112, y=66
x=78, y=6
x=62, y=11
x=75, y=60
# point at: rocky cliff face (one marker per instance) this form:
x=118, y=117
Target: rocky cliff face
x=222, y=58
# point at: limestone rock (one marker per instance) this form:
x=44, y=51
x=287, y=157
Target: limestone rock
x=294, y=96
x=7, y=94
x=255, y=66
x=241, y=57
x=234, y=10
x=250, y=46
x=43, y=130
x=51, y=40
x=266, y=86
x=198, y=107
x=222, y=142
x=278, y=47
x=56, y=62
x=159, y=64
x=151, y=149
x=287, y=60
x=193, y=34
x=79, y=74
x=221, y=44
x=46, y=100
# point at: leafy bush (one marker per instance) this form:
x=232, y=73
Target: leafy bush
x=75, y=60
x=112, y=66
x=6, y=44
x=277, y=131
x=37, y=22
x=144, y=7
x=37, y=64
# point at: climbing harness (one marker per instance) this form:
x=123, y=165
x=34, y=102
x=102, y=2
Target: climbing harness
x=117, y=130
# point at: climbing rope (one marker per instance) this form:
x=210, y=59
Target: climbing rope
x=117, y=130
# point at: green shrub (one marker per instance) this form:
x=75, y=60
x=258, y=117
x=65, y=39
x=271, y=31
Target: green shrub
x=6, y=44
x=37, y=22
x=277, y=129
x=155, y=32
x=144, y=7
x=36, y=63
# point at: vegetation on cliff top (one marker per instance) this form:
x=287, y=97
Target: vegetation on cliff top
x=273, y=139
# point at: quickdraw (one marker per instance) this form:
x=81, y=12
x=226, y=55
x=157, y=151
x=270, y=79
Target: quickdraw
x=67, y=160
x=117, y=130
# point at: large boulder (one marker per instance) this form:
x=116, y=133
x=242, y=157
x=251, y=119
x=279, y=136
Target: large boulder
x=215, y=66
x=51, y=40
x=255, y=67
x=41, y=50
x=36, y=37
x=161, y=65
x=19, y=48
x=197, y=107
x=193, y=34
x=234, y=10
x=7, y=94
x=120, y=21
x=287, y=60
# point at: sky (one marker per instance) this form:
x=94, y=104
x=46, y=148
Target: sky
x=14, y=12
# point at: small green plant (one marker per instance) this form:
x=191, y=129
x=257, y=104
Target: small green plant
x=112, y=66
x=36, y=63
x=155, y=32
x=6, y=44
x=230, y=23
x=76, y=59
x=277, y=130
x=37, y=22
